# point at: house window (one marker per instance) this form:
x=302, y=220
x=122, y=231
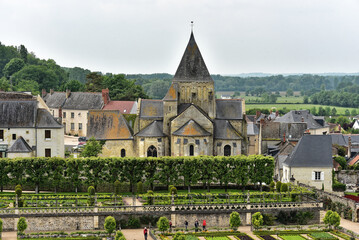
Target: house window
x=152, y=151
x=197, y=142
x=47, y=134
x=72, y=126
x=227, y=150
x=80, y=126
x=14, y=137
x=159, y=139
x=27, y=132
x=191, y=150
x=64, y=114
x=1, y=135
x=318, y=175
x=72, y=115
x=47, y=152
x=123, y=152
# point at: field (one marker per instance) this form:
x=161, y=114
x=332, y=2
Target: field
x=340, y=110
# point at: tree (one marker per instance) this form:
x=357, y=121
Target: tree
x=257, y=220
x=4, y=84
x=74, y=167
x=23, y=53
x=94, y=82
x=122, y=88
x=15, y=65
x=234, y=220
x=334, y=111
x=4, y=171
x=21, y=225
x=92, y=149
x=110, y=224
x=74, y=86
x=117, y=186
x=289, y=92
x=342, y=162
x=56, y=169
x=163, y=224
x=37, y=171
x=27, y=86
x=332, y=219
x=305, y=99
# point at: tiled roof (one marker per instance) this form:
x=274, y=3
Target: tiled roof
x=154, y=129
x=295, y=116
x=108, y=125
x=354, y=160
x=20, y=145
x=223, y=129
x=44, y=119
x=191, y=128
x=17, y=113
x=125, y=107
x=151, y=109
x=311, y=151
x=230, y=109
x=192, y=66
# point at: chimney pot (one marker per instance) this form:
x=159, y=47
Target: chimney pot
x=43, y=92
x=52, y=91
x=106, y=96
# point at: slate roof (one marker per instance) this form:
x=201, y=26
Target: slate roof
x=339, y=139
x=125, y=107
x=55, y=100
x=311, y=151
x=151, y=109
x=154, y=129
x=295, y=116
x=223, y=129
x=252, y=129
x=191, y=129
x=354, y=138
x=44, y=119
x=171, y=94
x=108, y=125
x=84, y=101
x=20, y=145
x=17, y=114
x=229, y=109
x=192, y=66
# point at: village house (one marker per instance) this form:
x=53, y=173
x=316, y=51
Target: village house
x=188, y=121
x=27, y=128
x=73, y=107
x=310, y=162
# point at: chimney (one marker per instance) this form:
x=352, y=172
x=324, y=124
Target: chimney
x=43, y=93
x=68, y=93
x=258, y=113
x=349, y=146
x=106, y=96
x=302, y=119
x=277, y=113
x=51, y=91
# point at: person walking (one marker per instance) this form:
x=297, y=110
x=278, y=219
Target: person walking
x=170, y=226
x=196, y=225
x=186, y=224
x=204, y=225
x=145, y=231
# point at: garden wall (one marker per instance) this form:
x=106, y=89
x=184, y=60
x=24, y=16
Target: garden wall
x=348, y=176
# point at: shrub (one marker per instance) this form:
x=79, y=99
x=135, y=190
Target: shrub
x=163, y=224
x=117, y=187
x=268, y=219
x=18, y=191
x=173, y=190
x=140, y=187
x=119, y=234
x=332, y=218
x=0, y=226
x=179, y=236
x=150, y=197
x=278, y=186
x=257, y=220
x=21, y=225
x=272, y=186
x=170, y=187
x=133, y=223
x=284, y=187
x=91, y=190
x=234, y=220
x=110, y=224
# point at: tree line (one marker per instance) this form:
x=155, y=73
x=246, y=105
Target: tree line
x=185, y=171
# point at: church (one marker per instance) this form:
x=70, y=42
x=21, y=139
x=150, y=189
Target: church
x=188, y=121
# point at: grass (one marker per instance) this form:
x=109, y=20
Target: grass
x=191, y=237
x=322, y=235
x=292, y=237
x=302, y=106
x=216, y=238
x=352, y=193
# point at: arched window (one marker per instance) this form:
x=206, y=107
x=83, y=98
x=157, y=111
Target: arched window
x=152, y=151
x=123, y=152
x=191, y=150
x=227, y=150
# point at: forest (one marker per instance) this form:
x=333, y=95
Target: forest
x=23, y=71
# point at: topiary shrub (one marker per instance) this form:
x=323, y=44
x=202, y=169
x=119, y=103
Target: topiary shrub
x=91, y=197
x=170, y=187
x=150, y=197
x=110, y=224
x=117, y=187
x=21, y=225
x=234, y=220
x=163, y=224
x=173, y=190
x=284, y=187
x=0, y=227
x=278, y=186
x=139, y=187
x=119, y=236
x=272, y=186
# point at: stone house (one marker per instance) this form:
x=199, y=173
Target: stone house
x=188, y=121
x=73, y=107
x=27, y=129
x=310, y=162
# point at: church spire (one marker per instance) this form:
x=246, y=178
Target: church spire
x=192, y=66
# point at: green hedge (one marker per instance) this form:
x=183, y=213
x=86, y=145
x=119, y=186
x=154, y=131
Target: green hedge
x=184, y=171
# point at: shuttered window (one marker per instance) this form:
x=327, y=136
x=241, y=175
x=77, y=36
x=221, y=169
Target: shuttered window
x=316, y=175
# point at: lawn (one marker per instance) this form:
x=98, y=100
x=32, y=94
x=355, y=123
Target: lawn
x=322, y=235
x=191, y=237
x=340, y=110
x=292, y=237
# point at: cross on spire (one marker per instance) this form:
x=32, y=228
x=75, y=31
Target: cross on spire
x=191, y=26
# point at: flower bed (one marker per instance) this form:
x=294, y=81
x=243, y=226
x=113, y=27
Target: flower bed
x=217, y=238
x=292, y=237
x=243, y=237
x=322, y=236
x=267, y=237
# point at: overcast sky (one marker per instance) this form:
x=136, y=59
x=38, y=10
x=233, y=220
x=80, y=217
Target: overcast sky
x=149, y=36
